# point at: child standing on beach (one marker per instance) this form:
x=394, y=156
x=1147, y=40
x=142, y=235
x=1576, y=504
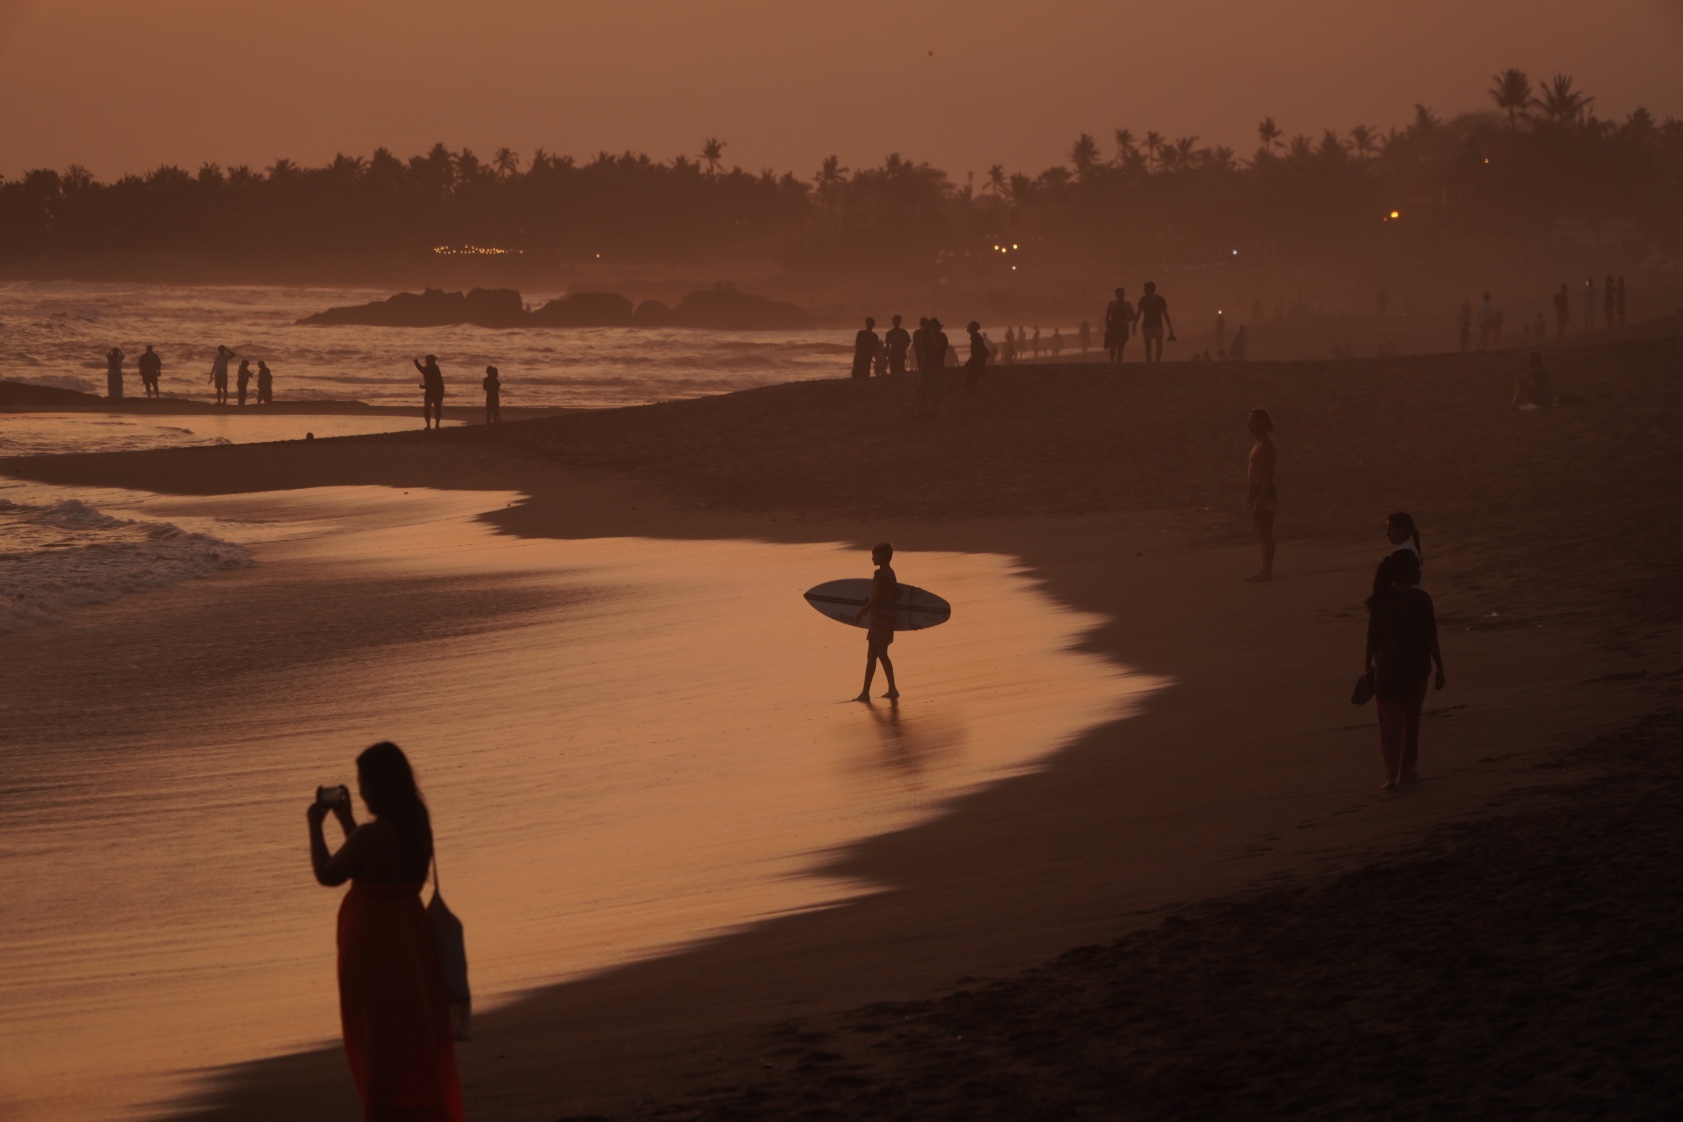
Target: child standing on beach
x=879, y=606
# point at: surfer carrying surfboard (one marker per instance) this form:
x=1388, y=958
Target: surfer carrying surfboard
x=879, y=607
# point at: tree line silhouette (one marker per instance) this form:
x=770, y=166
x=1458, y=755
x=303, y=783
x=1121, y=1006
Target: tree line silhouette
x=1502, y=176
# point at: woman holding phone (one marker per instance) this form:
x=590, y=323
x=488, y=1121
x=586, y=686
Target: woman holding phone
x=392, y=1004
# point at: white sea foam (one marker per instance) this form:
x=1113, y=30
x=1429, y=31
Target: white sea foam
x=60, y=555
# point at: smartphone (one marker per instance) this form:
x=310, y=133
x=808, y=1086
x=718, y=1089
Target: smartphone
x=332, y=796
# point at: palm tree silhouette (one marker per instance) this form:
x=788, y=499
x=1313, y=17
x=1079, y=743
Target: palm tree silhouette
x=1084, y=155
x=1561, y=103
x=1270, y=133
x=830, y=174
x=506, y=162
x=1125, y=148
x=996, y=180
x=712, y=150
x=1362, y=140
x=1511, y=90
x=1153, y=143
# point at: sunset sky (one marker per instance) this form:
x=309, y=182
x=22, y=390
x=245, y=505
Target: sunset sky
x=124, y=85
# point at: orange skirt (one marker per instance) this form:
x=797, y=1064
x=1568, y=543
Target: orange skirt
x=392, y=1007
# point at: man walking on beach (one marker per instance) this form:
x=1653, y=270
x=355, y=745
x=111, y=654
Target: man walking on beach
x=865, y=346
x=899, y=342
x=1263, y=498
x=219, y=373
x=432, y=393
x=1153, y=316
x=879, y=608
x=1118, y=321
x=151, y=369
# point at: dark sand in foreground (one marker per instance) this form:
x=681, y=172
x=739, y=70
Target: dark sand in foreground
x=1552, y=546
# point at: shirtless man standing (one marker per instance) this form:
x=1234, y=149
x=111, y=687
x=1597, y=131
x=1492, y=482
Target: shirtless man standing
x=1154, y=315
x=1262, y=498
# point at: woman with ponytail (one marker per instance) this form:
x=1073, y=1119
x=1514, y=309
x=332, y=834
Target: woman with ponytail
x=392, y=1004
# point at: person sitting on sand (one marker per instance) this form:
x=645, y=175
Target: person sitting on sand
x=978, y=362
x=151, y=369
x=1153, y=317
x=114, y=373
x=898, y=341
x=243, y=379
x=493, y=396
x=265, y=384
x=1535, y=389
x=1262, y=497
x=432, y=393
x=879, y=607
x=219, y=373
x=865, y=345
x=393, y=1008
x=1402, y=648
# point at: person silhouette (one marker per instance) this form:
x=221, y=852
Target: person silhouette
x=879, y=608
x=219, y=373
x=393, y=1009
x=265, y=384
x=1590, y=304
x=151, y=369
x=1486, y=322
x=243, y=379
x=1009, y=353
x=1610, y=302
x=1402, y=648
x=865, y=345
x=978, y=362
x=1034, y=343
x=898, y=341
x=1056, y=346
x=432, y=393
x=114, y=374
x=1085, y=335
x=931, y=361
x=1153, y=316
x=1562, y=312
x=493, y=396
x=1262, y=498
x=1241, y=339
x=919, y=343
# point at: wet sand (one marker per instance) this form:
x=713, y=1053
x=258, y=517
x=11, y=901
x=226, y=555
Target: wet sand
x=1545, y=537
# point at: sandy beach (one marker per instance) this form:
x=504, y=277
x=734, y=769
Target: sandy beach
x=1551, y=545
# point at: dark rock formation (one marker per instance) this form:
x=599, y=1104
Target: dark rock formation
x=725, y=307
x=487, y=307
x=585, y=309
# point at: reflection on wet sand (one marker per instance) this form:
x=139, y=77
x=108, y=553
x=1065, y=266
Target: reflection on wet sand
x=627, y=744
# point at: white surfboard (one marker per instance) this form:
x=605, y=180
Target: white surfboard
x=914, y=610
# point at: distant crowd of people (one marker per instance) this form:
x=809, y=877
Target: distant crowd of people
x=151, y=368
x=1603, y=309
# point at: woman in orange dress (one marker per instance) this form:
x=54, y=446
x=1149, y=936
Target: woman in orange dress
x=391, y=993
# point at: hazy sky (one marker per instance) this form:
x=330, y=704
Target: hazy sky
x=124, y=85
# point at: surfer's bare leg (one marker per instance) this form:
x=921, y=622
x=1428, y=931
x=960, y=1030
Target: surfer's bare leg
x=870, y=672
x=887, y=672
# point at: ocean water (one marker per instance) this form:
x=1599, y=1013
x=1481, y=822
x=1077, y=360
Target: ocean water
x=627, y=744
x=57, y=333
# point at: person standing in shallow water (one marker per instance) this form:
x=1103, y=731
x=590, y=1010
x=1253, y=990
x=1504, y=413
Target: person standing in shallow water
x=432, y=393
x=114, y=373
x=392, y=1005
x=865, y=345
x=493, y=384
x=1402, y=649
x=265, y=384
x=243, y=379
x=1262, y=496
x=219, y=373
x=151, y=370
x=879, y=609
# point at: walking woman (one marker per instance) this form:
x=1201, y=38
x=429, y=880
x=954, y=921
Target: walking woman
x=392, y=1005
x=1401, y=533
x=1402, y=649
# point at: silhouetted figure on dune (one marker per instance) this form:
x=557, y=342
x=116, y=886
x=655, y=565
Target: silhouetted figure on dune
x=1262, y=497
x=392, y=1004
x=114, y=374
x=219, y=373
x=865, y=345
x=432, y=393
x=879, y=610
x=493, y=385
x=265, y=384
x=1153, y=318
x=898, y=342
x=151, y=369
x=242, y=380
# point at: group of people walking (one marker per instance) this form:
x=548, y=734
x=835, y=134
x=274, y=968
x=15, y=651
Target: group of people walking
x=929, y=349
x=151, y=368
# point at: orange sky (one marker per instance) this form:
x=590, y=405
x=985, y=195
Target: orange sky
x=123, y=85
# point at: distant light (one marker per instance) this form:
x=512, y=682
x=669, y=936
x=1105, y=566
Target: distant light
x=598, y=256
x=474, y=251
x=1396, y=214
x=1013, y=245
x=1487, y=159
x=1235, y=253
x=1013, y=268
